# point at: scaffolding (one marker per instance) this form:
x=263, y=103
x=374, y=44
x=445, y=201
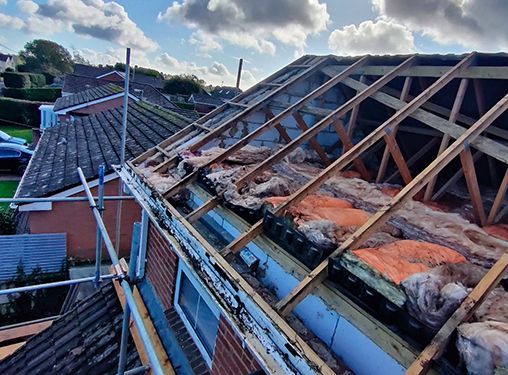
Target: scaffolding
x=125, y=280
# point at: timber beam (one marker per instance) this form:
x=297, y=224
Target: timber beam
x=286, y=305
x=261, y=129
x=357, y=150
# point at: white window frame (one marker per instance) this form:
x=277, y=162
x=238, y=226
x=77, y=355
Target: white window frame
x=183, y=269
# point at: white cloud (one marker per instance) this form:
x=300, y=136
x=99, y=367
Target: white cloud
x=11, y=22
x=217, y=73
x=473, y=24
x=106, y=20
x=372, y=37
x=27, y=6
x=204, y=42
x=3, y=2
x=109, y=57
x=255, y=25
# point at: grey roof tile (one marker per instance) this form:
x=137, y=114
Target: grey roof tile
x=83, y=341
x=91, y=141
x=86, y=96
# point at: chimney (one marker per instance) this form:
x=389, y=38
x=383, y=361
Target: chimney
x=239, y=75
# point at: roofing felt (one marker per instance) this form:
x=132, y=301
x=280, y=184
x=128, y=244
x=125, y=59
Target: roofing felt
x=83, y=341
x=86, y=96
x=91, y=141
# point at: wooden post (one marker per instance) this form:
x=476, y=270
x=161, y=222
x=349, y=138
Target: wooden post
x=386, y=153
x=457, y=104
x=286, y=305
x=464, y=312
x=472, y=185
x=498, y=200
x=313, y=141
x=262, y=128
x=353, y=153
x=354, y=114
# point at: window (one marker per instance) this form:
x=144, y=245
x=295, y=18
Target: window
x=199, y=314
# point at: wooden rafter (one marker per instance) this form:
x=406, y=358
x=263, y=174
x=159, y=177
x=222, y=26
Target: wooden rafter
x=354, y=114
x=305, y=351
x=472, y=184
x=332, y=116
x=306, y=286
x=282, y=131
x=354, y=152
x=389, y=143
x=498, y=200
x=347, y=144
x=486, y=145
x=311, y=69
x=417, y=156
x=262, y=128
x=464, y=312
x=313, y=141
x=454, y=179
x=457, y=104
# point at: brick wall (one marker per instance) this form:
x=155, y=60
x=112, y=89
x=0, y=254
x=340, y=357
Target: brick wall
x=229, y=357
x=76, y=219
x=161, y=266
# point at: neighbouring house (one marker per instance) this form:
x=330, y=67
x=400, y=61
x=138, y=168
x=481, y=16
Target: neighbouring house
x=7, y=61
x=225, y=92
x=74, y=84
x=84, y=340
x=88, y=142
x=204, y=102
x=110, y=74
x=90, y=101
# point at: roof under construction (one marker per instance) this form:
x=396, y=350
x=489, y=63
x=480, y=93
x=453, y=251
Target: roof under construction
x=415, y=146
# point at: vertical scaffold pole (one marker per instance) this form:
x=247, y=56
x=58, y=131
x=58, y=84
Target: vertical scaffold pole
x=98, y=241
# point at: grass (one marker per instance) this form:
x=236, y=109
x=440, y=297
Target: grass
x=17, y=131
x=7, y=190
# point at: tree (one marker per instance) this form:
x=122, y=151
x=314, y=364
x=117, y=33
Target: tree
x=119, y=66
x=185, y=84
x=45, y=56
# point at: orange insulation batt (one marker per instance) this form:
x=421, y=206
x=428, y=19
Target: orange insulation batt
x=321, y=207
x=400, y=259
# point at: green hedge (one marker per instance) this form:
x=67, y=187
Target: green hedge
x=46, y=94
x=23, y=80
x=21, y=111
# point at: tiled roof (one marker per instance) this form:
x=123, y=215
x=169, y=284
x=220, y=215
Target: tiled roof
x=83, y=341
x=86, y=96
x=91, y=141
x=225, y=92
x=207, y=99
x=74, y=84
x=4, y=57
x=90, y=70
x=96, y=71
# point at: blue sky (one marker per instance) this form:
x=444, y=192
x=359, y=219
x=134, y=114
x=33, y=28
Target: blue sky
x=206, y=37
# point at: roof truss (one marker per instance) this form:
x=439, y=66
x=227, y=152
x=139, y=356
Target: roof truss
x=455, y=141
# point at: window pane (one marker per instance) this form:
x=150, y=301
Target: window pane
x=206, y=326
x=188, y=299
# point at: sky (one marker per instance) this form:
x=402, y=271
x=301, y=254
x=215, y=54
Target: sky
x=207, y=37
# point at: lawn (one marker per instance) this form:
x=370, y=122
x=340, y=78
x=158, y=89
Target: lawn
x=17, y=131
x=7, y=190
